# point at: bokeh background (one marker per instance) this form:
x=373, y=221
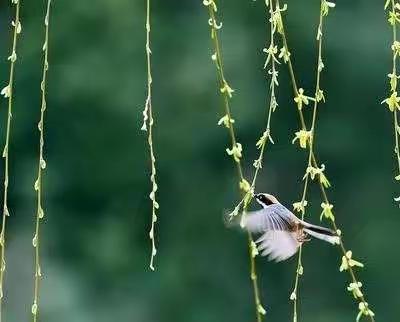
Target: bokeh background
x=95, y=245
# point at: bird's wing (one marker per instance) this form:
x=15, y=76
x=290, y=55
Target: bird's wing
x=275, y=217
x=278, y=245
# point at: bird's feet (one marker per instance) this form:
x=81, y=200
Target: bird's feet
x=302, y=236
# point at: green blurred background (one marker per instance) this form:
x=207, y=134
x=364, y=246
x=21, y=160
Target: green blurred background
x=95, y=245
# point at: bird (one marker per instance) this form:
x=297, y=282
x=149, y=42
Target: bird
x=282, y=233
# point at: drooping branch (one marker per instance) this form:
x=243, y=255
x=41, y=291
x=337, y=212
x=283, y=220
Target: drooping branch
x=148, y=122
x=393, y=100
x=316, y=171
x=41, y=166
x=236, y=150
x=8, y=93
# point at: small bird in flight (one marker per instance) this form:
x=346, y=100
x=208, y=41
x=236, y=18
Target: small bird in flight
x=282, y=232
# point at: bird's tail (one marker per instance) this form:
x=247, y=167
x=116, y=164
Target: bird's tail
x=322, y=233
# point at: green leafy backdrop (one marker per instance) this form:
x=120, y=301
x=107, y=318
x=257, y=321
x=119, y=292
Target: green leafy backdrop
x=94, y=239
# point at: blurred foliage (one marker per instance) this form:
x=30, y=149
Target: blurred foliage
x=95, y=243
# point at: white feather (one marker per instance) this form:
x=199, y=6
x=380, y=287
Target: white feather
x=334, y=240
x=279, y=245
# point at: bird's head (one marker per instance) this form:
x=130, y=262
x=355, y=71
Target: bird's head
x=265, y=199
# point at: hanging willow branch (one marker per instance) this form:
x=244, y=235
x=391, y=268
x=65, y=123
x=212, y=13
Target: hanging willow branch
x=41, y=167
x=271, y=63
x=306, y=138
x=7, y=92
x=314, y=171
x=236, y=150
x=393, y=100
x=148, y=122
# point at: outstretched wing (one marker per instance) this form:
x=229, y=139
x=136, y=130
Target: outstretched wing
x=278, y=240
x=275, y=218
x=277, y=245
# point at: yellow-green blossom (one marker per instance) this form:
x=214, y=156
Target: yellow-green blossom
x=213, y=23
x=271, y=51
x=285, y=54
x=327, y=211
x=261, y=310
x=321, y=65
x=301, y=99
x=18, y=25
x=210, y=3
x=236, y=152
x=257, y=164
x=227, y=89
x=274, y=79
x=312, y=171
x=244, y=185
x=396, y=48
x=300, y=206
x=13, y=57
x=320, y=96
x=263, y=139
x=347, y=262
x=325, y=6
x=277, y=19
x=254, y=250
x=393, y=81
x=324, y=180
x=392, y=101
x=364, y=310
x=300, y=270
x=393, y=17
x=226, y=121
x=355, y=288
x=303, y=136
x=6, y=91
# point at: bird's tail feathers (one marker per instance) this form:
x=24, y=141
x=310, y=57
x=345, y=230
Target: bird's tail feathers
x=322, y=233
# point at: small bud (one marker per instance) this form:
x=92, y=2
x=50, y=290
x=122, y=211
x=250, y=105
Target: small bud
x=37, y=184
x=34, y=308
x=34, y=241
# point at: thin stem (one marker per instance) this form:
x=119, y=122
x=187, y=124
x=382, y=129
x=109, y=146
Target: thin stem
x=222, y=82
x=396, y=138
x=264, y=139
x=341, y=244
x=41, y=167
x=148, y=122
x=226, y=92
x=266, y=136
x=254, y=279
x=295, y=293
x=394, y=89
x=8, y=92
x=291, y=72
x=299, y=268
x=312, y=158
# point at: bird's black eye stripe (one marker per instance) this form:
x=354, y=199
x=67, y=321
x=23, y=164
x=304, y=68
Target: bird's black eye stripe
x=265, y=200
